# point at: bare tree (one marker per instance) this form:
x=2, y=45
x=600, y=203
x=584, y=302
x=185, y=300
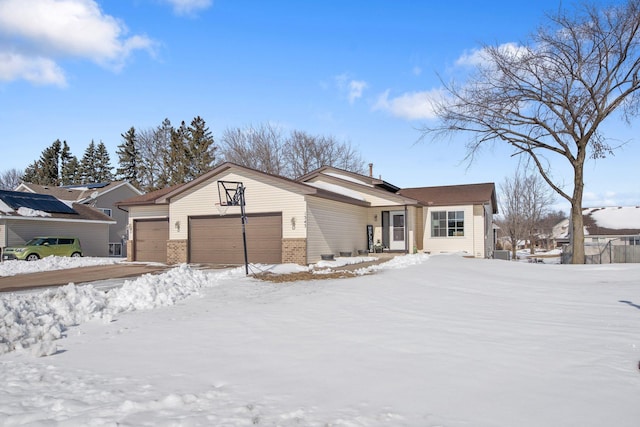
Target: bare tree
x=551, y=96
x=10, y=179
x=264, y=148
x=255, y=147
x=525, y=201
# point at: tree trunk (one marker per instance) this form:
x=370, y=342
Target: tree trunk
x=577, y=224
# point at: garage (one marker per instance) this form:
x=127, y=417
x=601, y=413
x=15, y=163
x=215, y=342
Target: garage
x=218, y=239
x=151, y=237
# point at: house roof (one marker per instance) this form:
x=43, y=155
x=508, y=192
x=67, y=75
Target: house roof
x=17, y=204
x=76, y=193
x=612, y=221
x=346, y=175
x=163, y=196
x=453, y=195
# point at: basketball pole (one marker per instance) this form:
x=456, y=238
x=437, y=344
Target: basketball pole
x=243, y=216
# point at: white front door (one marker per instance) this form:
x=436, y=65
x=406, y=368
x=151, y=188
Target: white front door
x=397, y=231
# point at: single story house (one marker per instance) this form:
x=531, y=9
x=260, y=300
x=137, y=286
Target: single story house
x=102, y=196
x=611, y=234
x=328, y=211
x=24, y=216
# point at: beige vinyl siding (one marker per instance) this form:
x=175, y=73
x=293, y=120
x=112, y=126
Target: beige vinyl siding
x=93, y=237
x=483, y=238
x=261, y=196
x=464, y=243
x=3, y=235
x=146, y=212
x=334, y=227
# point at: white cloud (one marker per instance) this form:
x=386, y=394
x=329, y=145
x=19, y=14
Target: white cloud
x=410, y=105
x=477, y=57
x=189, y=7
x=352, y=88
x=32, y=69
x=39, y=32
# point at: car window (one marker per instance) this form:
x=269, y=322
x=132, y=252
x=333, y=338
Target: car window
x=65, y=241
x=52, y=241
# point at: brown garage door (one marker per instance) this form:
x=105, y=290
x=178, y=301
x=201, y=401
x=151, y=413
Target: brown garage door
x=218, y=240
x=150, y=242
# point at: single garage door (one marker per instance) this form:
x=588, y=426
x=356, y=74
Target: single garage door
x=151, y=237
x=218, y=240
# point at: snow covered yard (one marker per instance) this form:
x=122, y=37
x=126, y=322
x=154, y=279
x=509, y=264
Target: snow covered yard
x=426, y=341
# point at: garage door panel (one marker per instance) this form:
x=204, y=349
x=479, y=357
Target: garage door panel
x=218, y=240
x=151, y=240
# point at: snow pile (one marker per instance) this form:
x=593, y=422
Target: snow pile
x=342, y=261
x=13, y=267
x=445, y=341
x=35, y=320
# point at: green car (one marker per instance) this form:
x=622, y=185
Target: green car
x=40, y=247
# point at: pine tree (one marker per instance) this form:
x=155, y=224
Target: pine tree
x=177, y=158
x=32, y=173
x=87, y=165
x=128, y=157
x=201, y=148
x=162, y=137
x=69, y=173
x=103, y=168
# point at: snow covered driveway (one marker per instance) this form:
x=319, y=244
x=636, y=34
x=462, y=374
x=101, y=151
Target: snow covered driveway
x=435, y=341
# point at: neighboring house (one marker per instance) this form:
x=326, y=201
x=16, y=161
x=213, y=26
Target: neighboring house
x=611, y=234
x=102, y=196
x=328, y=211
x=27, y=215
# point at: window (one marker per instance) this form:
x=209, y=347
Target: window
x=105, y=211
x=633, y=240
x=115, y=249
x=447, y=224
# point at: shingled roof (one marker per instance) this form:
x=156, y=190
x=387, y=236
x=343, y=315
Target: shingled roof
x=454, y=195
x=612, y=221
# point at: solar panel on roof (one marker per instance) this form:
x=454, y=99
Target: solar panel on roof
x=39, y=202
x=89, y=186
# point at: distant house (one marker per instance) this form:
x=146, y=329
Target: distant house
x=27, y=215
x=102, y=196
x=328, y=211
x=607, y=231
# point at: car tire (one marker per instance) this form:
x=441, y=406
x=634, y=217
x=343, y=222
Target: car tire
x=76, y=255
x=32, y=257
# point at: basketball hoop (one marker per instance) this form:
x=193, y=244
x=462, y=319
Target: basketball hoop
x=222, y=208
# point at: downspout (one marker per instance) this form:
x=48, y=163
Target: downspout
x=406, y=229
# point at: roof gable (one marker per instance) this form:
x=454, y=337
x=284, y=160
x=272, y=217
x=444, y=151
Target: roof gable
x=349, y=176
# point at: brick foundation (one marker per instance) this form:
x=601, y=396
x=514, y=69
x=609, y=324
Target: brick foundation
x=176, y=251
x=294, y=251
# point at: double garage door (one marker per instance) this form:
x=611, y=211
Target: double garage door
x=218, y=239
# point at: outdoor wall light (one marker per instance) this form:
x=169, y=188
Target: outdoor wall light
x=375, y=217
x=177, y=225
x=293, y=222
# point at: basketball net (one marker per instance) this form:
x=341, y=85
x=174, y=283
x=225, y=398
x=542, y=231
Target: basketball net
x=222, y=208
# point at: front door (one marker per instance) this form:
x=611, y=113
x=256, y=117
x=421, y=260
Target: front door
x=397, y=231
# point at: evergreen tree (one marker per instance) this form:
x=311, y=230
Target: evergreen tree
x=177, y=158
x=128, y=157
x=69, y=173
x=160, y=143
x=201, y=148
x=32, y=173
x=103, y=168
x=49, y=164
x=87, y=165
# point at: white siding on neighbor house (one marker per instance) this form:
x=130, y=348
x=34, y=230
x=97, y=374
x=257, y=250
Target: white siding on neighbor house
x=464, y=243
x=261, y=196
x=108, y=200
x=94, y=237
x=334, y=227
x=3, y=236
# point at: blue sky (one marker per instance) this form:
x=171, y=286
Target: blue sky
x=82, y=70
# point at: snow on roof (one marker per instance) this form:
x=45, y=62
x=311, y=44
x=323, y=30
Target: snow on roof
x=623, y=220
x=5, y=208
x=347, y=178
x=337, y=189
x=32, y=212
x=616, y=218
